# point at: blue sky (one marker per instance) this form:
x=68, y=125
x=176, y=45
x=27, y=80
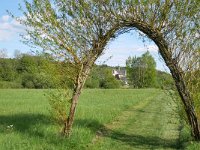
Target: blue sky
x=116, y=52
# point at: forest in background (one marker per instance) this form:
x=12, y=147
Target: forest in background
x=42, y=71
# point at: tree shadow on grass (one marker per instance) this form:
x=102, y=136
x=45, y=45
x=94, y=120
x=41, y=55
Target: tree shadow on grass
x=34, y=127
x=23, y=123
x=133, y=140
x=144, y=141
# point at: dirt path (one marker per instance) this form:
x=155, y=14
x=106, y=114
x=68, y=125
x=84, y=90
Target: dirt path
x=151, y=124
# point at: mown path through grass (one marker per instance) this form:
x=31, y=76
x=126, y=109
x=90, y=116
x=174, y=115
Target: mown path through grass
x=151, y=124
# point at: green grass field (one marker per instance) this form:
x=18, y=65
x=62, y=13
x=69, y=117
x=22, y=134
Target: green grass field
x=105, y=120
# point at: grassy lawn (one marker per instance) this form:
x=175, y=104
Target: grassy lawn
x=105, y=119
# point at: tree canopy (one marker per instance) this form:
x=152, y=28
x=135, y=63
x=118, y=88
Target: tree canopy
x=142, y=71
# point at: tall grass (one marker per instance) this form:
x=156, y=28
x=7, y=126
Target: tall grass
x=25, y=121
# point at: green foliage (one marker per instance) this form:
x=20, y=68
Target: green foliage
x=37, y=81
x=28, y=81
x=28, y=63
x=110, y=83
x=41, y=72
x=92, y=83
x=43, y=81
x=59, y=101
x=101, y=77
x=38, y=72
x=8, y=69
x=107, y=80
x=93, y=80
x=193, y=82
x=10, y=85
x=165, y=81
x=141, y=71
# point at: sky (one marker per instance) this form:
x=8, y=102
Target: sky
x=115, y=54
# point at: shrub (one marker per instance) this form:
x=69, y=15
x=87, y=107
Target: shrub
x=43, y=81
x=10, y=85
x=92, y=83
x=110, y=83
x=59, y=101
x=27, y=80
x=38, y=81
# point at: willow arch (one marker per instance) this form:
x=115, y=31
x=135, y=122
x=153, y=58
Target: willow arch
x=79, y=30
x=171, y=64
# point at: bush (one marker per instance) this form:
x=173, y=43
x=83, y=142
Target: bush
x=101, y=77
x=110, y=83
x=59, y=101
x=29, y=85
x=8, y=70
x=43, y=81
x=197, y=104
x=27, y=81
x=107, y=80
x=92, y=83
x=10, y=85
x=38, y=81
x=165, y=81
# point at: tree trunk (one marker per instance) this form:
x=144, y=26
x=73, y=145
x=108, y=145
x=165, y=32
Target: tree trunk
x=83, y=74
x=177, y=74
x=68, y=123
x=187, y=101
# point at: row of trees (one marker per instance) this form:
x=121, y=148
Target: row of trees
x=28, y=71
x=41, y=71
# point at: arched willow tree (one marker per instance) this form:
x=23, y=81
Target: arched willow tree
x=77, y=31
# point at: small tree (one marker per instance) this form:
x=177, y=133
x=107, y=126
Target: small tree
x=142, y=70
x=58, y=28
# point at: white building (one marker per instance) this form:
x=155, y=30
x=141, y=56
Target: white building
x=120, y=74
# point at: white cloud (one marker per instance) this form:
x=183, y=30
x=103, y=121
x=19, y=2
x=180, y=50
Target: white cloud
x=128, y=50
x=151, y=48
x=4, y=35
x=5, y=18
x=9, y=28
x=117, y=55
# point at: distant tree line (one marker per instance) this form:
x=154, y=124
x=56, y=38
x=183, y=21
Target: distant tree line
x=42, y=71
x=29, y=71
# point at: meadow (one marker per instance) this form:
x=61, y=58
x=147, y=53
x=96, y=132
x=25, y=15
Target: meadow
x=105, y=120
